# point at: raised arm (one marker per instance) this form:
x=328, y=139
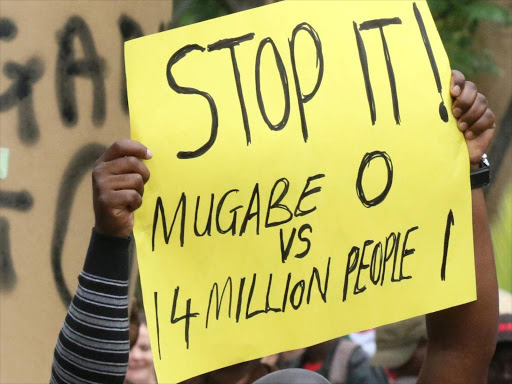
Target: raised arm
x=461, y=340
x=93, y=344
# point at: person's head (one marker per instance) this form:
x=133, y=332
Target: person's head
x=236, y=374
x=134, y=324
x=140, y=363
x=293, y=376
x=402, y=346
x=500, y=370
x=242, y=373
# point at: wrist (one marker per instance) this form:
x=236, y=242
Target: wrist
x=474, y=166
x=97, y=233
x=480, y=174
x=106, y=231
x=108, y=256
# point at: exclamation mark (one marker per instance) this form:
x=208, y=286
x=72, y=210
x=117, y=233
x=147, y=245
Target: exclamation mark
x=157, y=325
x=450, y=221
x=443, y=113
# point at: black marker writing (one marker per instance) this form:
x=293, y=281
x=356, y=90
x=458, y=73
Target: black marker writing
x=443, y=113
x=227, y=213
x=365, y=162
x=316, y=275
x=374, y=276
x=380, y=256
x=366, y=73
x=285, y=250
x=277, y=204
x=450, y=221
x=304, y=98
x=176, y=57
x=380, y=24
x=306, y=240
x=248, y=313
x=159, y=210
x=208, y=225
x=268, y=308
x=187, y=316
x=231, y=44
x=284, y=83
x=390, y=252
x=157, y=325
x=218, y=302
x=233, y=211
x=406, y=252
x=239, y=302
x=307, y=192
x=255, y=197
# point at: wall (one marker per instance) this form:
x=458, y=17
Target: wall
x=61, y=103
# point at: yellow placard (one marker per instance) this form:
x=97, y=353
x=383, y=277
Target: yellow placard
x=308, y=179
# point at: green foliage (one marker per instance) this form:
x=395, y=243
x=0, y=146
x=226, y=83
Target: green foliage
x=502, y=240
x=457, y=22
x=200, y=10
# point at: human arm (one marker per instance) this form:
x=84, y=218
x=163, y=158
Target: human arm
x=93, y=344
x=461, y=339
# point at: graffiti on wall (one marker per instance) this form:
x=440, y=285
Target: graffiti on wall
x=77, y=57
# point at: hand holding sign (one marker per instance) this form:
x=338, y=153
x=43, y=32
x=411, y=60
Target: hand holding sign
x=475, y=119
x=118, y=185
x=312, y=124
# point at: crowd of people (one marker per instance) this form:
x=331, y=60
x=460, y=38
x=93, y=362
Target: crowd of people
x=101, y=343
x=400, y=350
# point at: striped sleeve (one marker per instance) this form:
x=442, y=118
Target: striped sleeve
x=93, y=344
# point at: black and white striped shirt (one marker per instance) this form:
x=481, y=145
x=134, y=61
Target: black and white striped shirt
x=93, y=344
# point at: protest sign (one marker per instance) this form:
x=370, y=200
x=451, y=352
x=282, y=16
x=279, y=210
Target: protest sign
x=308, y=179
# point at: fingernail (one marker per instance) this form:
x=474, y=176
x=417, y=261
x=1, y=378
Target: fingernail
x=469, y=135
x=149, y=154
x=457, y=112
x=456, y=90
x=463, y=125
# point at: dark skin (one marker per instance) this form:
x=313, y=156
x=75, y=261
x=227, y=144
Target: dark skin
x=461, y=340
x=118, y=182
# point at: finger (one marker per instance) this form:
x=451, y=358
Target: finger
x=478, y=147
x=127, y=198
x=127, y=181
x=485, y=122
x=465, y=100
x=474, y=113
x=126, y=147
x=134, y=199
x=127, y=164
x=457, y=83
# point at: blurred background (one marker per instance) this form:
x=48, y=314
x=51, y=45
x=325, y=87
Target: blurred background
x=63, y=100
